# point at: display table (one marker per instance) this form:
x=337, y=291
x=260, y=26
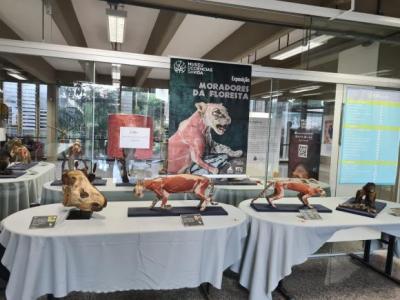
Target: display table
x=112, y=252
x=229, y=194
x=18, y=193
x=279, y=241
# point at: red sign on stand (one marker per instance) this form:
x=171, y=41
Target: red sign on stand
x=115, y=122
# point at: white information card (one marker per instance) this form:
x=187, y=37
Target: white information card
x=134, y=137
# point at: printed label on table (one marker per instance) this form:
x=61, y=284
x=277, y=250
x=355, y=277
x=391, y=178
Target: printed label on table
x=310, y=214
x=43, y=222
x=192, y=220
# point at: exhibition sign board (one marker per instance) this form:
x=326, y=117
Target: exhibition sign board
x=370, y=136
x=304, y=153
x=208, y=117
x=127, y=131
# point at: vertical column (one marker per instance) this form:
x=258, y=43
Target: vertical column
x=51, y=122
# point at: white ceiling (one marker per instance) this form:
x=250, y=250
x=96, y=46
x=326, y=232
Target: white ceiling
x=25, y=18
x=196, y=36
x=92, y=18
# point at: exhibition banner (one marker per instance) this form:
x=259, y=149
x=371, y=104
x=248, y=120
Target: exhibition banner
x=370, y=136
x=208, y=117
x=304, y=153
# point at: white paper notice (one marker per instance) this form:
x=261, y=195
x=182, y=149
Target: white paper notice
x=2, y=134
x=134, y=137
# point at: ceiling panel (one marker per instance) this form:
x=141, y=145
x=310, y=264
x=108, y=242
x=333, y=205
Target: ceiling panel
x=25, y=19
x=197, y=35
x=92, y=18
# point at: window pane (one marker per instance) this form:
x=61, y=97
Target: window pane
x=28, y=108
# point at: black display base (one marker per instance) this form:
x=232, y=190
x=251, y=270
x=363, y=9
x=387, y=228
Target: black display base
x=124, y=184
x=75, y=214
x=234, y=182
x=96, y=182
x=265, y=207
x=23, y=166
x=13, y=174
x=379, y=207
x=175, y=211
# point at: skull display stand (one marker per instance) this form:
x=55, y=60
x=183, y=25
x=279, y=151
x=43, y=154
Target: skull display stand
x=77, y=214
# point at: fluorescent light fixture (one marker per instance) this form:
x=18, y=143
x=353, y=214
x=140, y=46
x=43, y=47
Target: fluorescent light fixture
x=300, y=47
x=17, y=76
x=292, y=100
x=272, y=95
x=116, y=25
x=305, y=89
x=116, y=72
x=11, y=70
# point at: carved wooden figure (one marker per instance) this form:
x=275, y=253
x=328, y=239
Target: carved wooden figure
x=306, y=188
x=79, y=192
x=164, y=186
x=365, y=199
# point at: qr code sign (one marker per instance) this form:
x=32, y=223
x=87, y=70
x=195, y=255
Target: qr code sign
x=302, y=151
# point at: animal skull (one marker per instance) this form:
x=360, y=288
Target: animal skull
x=79, y=192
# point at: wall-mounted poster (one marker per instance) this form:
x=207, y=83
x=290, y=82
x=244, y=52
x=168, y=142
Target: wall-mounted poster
x=130, y=132
x=369, y=147
x=208, y=117
x=327, y=129
x=304, y=153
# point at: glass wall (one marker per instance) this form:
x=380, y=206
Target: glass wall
x=294, y=125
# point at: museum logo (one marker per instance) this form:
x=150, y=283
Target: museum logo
x=179, y=67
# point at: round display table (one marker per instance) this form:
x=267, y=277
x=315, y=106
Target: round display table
x=114, y=252
x=18, y=193
x=278, y=241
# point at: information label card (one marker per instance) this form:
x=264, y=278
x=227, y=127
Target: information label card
x=370, y=136
x=192, y=220
x=134, y=137
x=39, y=222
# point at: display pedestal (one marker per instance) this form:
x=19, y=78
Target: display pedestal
x=265, y=207
x=23, y=166
x=175, y=211
x=125, y=184
x=12, y=174
x=75, y=214
x=378, y=205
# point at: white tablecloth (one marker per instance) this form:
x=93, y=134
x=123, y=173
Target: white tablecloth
x=17, y=193
x=278, y=241
x=112, y=252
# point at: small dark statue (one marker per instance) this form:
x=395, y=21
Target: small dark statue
x=364, y=200
x=4, y=162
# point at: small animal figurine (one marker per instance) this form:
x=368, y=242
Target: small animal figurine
x=164, y=186
x=364, y=200
x=306, y=188
x=74, y=152
x=18, y=151
x=79, y=192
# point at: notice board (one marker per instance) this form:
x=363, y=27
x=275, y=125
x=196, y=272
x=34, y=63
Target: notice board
x=370, y=136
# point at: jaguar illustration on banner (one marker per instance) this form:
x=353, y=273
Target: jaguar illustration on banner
x=208, y=117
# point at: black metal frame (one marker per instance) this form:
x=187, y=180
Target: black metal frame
x=389, y=258
x=365, y=260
